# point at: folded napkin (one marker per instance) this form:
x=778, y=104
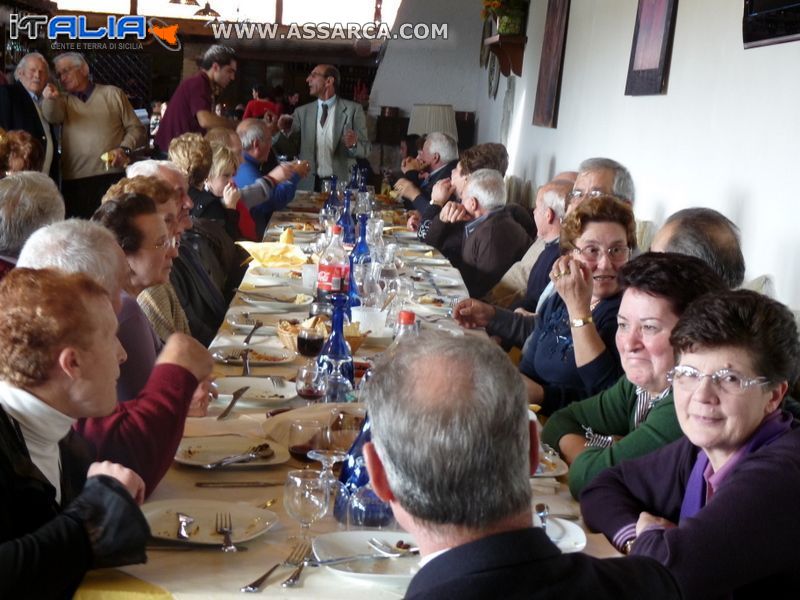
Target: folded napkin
x=244, y=424
x=115, y=585
x=274, y=254
x=277, y=427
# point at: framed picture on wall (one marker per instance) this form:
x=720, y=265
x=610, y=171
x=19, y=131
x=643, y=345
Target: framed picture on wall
x=648, y=70
x=548, y=87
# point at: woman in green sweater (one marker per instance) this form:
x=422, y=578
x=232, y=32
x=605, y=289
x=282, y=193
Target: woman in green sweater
x=636, y=415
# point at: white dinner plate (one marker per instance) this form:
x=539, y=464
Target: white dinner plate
x=401, y=234
x=199, y=451
x=242, y=319
x=261, y=281
x=568, y=536
x=283, y=273
x=262, y=391
x=347, y=543
x=260, y=355
x=432, y=308
x=430, y=261
x=443, y=281
x=414, y=248
x=287, y=299
x=248, y=521
x=553, y=467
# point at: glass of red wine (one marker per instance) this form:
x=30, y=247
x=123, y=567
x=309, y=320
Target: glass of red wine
x=310, y=382
x=304, y=436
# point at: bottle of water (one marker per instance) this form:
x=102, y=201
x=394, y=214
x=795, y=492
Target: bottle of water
x=333, y=198
x=346, y=221
x=335, y=357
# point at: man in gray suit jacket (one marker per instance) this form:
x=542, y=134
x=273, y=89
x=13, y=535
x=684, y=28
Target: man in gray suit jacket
x=333, y=131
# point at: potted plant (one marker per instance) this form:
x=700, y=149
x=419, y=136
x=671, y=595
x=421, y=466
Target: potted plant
x=510, y=15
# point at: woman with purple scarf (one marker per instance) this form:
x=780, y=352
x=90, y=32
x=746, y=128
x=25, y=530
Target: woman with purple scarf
x=717, y=507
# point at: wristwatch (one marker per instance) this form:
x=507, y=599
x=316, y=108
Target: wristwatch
x=628, y=546
x=581, y=322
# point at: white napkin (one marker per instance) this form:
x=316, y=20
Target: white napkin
x=277, y=427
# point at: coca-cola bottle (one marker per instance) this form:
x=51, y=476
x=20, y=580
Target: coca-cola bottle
x=334, y=267
x=346, y=221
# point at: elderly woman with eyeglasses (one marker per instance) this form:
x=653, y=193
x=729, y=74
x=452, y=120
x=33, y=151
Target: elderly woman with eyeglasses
x=149, y=247
x=716, y=507
x=637, y=414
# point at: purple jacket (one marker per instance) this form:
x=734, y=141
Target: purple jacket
x=742, y=544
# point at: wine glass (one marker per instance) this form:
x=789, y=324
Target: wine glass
x=311, y=383
x=305, y=497
x=305, y=435
x=309, y=343
x=338, y=387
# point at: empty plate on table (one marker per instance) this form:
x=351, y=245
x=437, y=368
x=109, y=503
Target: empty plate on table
x=260, y=355
x=284, y=273
x=199, y=451
x=263, y=391
x=423, y=279
x=415, y=248
x=401, y=234
x=300, y=227
x=286, y=299
x=348, y=543
x=248, y=521
x=242, y=318
x=568, y=536
x=431, y=261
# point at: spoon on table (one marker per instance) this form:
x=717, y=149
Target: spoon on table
x=542, y=511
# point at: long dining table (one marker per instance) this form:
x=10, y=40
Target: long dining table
x=207, y=572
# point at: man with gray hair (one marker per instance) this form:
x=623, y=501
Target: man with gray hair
x=99, y=132
x=705, y=234
x=435, y=162
x=20, y=108
x=597, y=176
x=143, y=433
x=492, y=239
x=451, y=456
x=28, y=201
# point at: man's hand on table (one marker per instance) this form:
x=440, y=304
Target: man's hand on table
x=414, y=220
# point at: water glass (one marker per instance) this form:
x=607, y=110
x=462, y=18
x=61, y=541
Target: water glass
x=305, y=497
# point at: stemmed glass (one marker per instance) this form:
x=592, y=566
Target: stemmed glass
x=310, y=380
x=306, y=497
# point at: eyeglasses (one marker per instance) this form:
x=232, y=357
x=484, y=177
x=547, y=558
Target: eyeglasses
x=616, y=254
x=580, y=194
x=173, y=242
x=731, y=382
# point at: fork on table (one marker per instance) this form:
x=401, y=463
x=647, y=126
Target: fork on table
x=295, y=576
x=224, y=525
x=295, y=559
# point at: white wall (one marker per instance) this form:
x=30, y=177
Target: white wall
x=724, y=136
x=432, y=71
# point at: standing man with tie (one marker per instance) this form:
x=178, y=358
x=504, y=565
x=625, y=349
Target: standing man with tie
x=333, y=131
x=20, y=108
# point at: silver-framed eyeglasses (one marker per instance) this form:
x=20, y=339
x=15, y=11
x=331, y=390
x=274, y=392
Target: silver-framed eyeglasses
x=586, y=194
x=729, y=381
x=172, y=242
x=616, y=254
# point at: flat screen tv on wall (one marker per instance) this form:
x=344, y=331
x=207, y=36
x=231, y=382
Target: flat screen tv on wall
x=770, y=22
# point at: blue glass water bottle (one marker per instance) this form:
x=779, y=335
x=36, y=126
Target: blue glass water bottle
x=335, y=352
x=346, y=221
x=333, y=197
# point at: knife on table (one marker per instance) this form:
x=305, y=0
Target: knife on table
x=236, y=395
